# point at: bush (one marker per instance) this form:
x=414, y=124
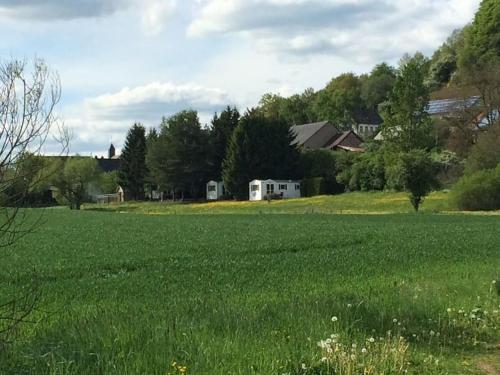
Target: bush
x=450, y=167
x=478, y=191
x=368, y=173
x=313, y=186
x=485, y=154
x=320, y=164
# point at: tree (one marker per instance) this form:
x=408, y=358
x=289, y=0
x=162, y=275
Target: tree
x=221, y=131
x=485, y=154
x=443, y=63
x=108, y=182
x=133, y=170
x=418, y=175
x=294, y=110
x=376, y=87
x=28, y=98
x=482, y=38
x=32, y=189
x=179, y=158
x=338, y=101
x=150, y=182
x=259, y=148
x=407, y=124
x=74, y=178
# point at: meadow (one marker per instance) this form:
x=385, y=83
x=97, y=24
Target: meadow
x=254, y=293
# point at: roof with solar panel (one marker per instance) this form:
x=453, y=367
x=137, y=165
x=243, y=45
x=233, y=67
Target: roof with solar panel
x=447, y=106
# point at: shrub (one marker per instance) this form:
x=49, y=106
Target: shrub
x=478, y=191
x=485, y=154
x=450, y=168
x=368, y=173
x=311, y=187
x=320, y=163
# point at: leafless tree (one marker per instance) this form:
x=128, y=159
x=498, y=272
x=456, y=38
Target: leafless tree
x=29, y=94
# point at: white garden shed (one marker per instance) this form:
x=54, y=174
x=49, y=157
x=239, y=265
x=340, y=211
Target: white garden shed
x=215, y=190
x=287, y=189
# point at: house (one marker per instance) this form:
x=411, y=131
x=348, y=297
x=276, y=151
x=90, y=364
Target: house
x=323, y=135
x=215, y=190
x=366, y=122
x=262, y=189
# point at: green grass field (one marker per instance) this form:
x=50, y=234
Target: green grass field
x=226, y=293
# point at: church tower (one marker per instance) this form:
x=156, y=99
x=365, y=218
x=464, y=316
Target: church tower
x=111, y=152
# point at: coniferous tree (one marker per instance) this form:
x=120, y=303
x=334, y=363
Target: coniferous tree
x=179, y=158
x=133, y=170
x=260, y=148
x=221, y=131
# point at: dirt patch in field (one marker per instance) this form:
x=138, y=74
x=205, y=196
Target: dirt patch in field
x=490, y=364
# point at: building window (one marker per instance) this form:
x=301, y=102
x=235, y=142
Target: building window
x=270, y=189
x=297, y=187
x=283, y=187
x=211, y=188
x=255, y=188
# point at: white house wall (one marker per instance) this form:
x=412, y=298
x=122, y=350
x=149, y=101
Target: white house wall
x=289, y=193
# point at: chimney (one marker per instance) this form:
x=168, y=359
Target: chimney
x=111, y=151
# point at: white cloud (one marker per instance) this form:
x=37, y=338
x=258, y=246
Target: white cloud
x=154, y=13
x=153, y=100
x=361, y=29
x=106, y=118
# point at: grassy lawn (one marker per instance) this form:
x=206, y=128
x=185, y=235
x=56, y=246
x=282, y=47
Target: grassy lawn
x=253, y=294
x=351, y=203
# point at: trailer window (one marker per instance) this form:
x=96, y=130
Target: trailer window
x=255, y=187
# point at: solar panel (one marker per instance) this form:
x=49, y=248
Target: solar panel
x=445, y=106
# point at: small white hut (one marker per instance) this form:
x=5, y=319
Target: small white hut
x=286, y=189
x=215, y=190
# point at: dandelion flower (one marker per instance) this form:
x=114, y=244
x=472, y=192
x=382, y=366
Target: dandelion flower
x=364, y=351
x=334, y=319
x=371, y=339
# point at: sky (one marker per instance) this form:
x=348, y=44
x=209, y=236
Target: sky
x=127, y=61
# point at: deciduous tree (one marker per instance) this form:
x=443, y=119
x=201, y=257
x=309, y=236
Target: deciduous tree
x=73, y=179
x=407, y=124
